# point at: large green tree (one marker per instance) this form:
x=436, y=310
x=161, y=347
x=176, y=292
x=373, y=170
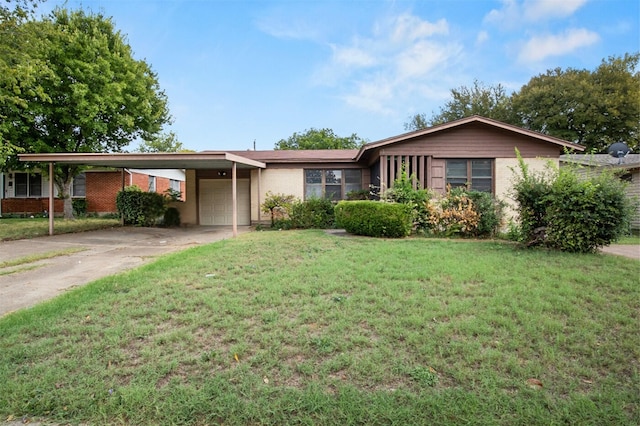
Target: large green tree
x=98, y=97
x=480, y=99
x=594, y=109
x=19, y=72
x=164, y=142
x=320, y=139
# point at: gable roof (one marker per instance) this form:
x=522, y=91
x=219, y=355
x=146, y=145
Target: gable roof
x=462, y=122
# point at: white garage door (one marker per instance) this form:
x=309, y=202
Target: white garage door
x=216, y=202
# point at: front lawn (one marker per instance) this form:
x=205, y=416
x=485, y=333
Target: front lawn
x=15, y=229
x=302, y=327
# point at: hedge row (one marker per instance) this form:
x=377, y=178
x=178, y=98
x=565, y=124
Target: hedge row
x=374, y=218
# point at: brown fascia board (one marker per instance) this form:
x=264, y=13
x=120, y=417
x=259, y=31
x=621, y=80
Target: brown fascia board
x=300, y=156
x=471, y=119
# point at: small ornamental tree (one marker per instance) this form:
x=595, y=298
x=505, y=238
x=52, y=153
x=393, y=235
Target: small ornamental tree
x=278, y=206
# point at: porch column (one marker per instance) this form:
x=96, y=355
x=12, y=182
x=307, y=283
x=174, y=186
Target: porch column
x=51, y=200
x=259, y=189
x=234, y=190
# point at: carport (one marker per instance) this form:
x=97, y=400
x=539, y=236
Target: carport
x=190, y=161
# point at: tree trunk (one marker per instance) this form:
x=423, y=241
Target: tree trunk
x=64, y=192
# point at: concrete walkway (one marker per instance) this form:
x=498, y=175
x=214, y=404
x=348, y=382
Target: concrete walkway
x=626, y=250
x=104, y=252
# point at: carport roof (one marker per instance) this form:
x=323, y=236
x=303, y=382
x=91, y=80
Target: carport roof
x=164, y=160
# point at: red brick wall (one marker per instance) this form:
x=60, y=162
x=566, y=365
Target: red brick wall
x=30, y=206
x=101, y=191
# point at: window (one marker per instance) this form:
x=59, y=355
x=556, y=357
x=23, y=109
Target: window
x=174, y=185
x=477, y=175
x=28, y=185
x=79, y=186
x=331, y=184
x=152, y=184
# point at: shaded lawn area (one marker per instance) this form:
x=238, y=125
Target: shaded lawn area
x=14, y=229
x=301, y=327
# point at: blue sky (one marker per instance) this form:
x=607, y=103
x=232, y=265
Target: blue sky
x=239, y=71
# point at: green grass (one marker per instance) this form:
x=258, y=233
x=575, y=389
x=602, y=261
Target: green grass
x=14, y=229
x=8, y=267
x=308, y=328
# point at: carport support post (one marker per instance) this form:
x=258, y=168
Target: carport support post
x=234, y=189
x=51, y=200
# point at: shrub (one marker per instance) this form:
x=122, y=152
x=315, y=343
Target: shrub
x=584, y=215
x=278, y=206
x=140, y=208
x=490, y=211
x=316, y=213
x=374, y=218
x=79, y=206
x=403, y=192
x=562, y=210
x=171, y=217
x=453, y=214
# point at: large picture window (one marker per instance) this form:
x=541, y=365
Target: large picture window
x=28, y=185
x=476, y=175
x=333, y=184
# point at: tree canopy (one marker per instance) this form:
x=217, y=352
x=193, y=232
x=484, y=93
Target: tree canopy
x=93, y=96
x=592, y=108
x=164, y=142
x=487, y=101
x=320, y=139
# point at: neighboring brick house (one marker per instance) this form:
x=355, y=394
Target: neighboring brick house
x=27, y=193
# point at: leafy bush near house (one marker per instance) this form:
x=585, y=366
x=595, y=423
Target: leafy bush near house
x=171, y=217
x=79, y=207
x=465, y=213
x=316, y=213
x=374, y=218
x=564, y=211
x=138, y=207
x=278, y=206
x=403, y=192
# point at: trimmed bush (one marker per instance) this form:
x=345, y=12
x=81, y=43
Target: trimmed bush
x=79, y=206
x=316, y=213
x=279, y=207
x=374, y=218
x=138, y=207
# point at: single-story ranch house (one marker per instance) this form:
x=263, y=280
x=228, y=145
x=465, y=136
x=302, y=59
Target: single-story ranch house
x=228, y=187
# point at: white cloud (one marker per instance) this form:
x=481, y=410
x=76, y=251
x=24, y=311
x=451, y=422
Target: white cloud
x=352, y=56
x=512, y=13
x=541, y=47
x=409, y=28
x=404, y=56
x=482, y=37
x=539, y=10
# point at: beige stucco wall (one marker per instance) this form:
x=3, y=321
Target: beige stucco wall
x=506, y=171
x=277, y=181
x=189, y=209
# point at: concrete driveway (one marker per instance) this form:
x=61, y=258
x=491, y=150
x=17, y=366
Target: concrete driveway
x=104, y=253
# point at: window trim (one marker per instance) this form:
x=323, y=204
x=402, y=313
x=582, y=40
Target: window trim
x=469, y=169
x=323, y=182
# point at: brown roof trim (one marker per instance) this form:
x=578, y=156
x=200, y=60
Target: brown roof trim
x=461, y=122
x=161, y=160
x=302, y=155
